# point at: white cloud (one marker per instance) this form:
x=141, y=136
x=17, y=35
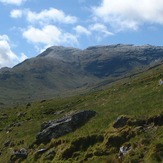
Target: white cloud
x=7, y=56
x=16, y=13
x=82, y=30
x=100, y=28
x=13, y=2
x=51, y=15
x=129, y=14
x=49, y=35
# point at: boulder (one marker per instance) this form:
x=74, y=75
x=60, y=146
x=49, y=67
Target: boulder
x=120, y=122
x=62, y=126
x=19, y=154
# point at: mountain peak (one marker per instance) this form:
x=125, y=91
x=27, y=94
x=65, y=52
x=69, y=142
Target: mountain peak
x=60, y=53
x=58, y=50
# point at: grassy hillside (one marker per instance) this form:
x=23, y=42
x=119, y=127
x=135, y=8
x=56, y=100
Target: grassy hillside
x=139, y=98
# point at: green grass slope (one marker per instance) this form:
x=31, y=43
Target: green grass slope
x=140, y=98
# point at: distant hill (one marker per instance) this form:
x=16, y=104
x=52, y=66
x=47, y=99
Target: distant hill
x=63, y=71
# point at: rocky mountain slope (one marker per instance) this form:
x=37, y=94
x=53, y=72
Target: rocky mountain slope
x=61, y=71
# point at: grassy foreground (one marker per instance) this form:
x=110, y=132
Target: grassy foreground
x=138, y=97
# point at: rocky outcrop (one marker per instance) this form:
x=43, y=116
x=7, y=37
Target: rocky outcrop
x=124, y=120
x=62, y=126
x=128, y=127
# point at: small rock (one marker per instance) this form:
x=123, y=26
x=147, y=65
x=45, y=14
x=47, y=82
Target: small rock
x=124, y=150
x=22, y=151
x=160, y=82
x=20, y=115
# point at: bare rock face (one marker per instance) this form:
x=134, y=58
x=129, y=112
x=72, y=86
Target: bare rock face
x=62, y=126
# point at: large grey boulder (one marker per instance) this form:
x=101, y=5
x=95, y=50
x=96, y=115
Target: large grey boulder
x=62, y=126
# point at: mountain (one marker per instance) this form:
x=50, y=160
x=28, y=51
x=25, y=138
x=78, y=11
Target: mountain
x=63, y=71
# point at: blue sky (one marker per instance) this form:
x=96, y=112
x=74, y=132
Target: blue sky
x=27, y=27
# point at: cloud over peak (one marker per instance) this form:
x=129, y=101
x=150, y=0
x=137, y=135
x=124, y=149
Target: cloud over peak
x=7, y=56
x=49, y=35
